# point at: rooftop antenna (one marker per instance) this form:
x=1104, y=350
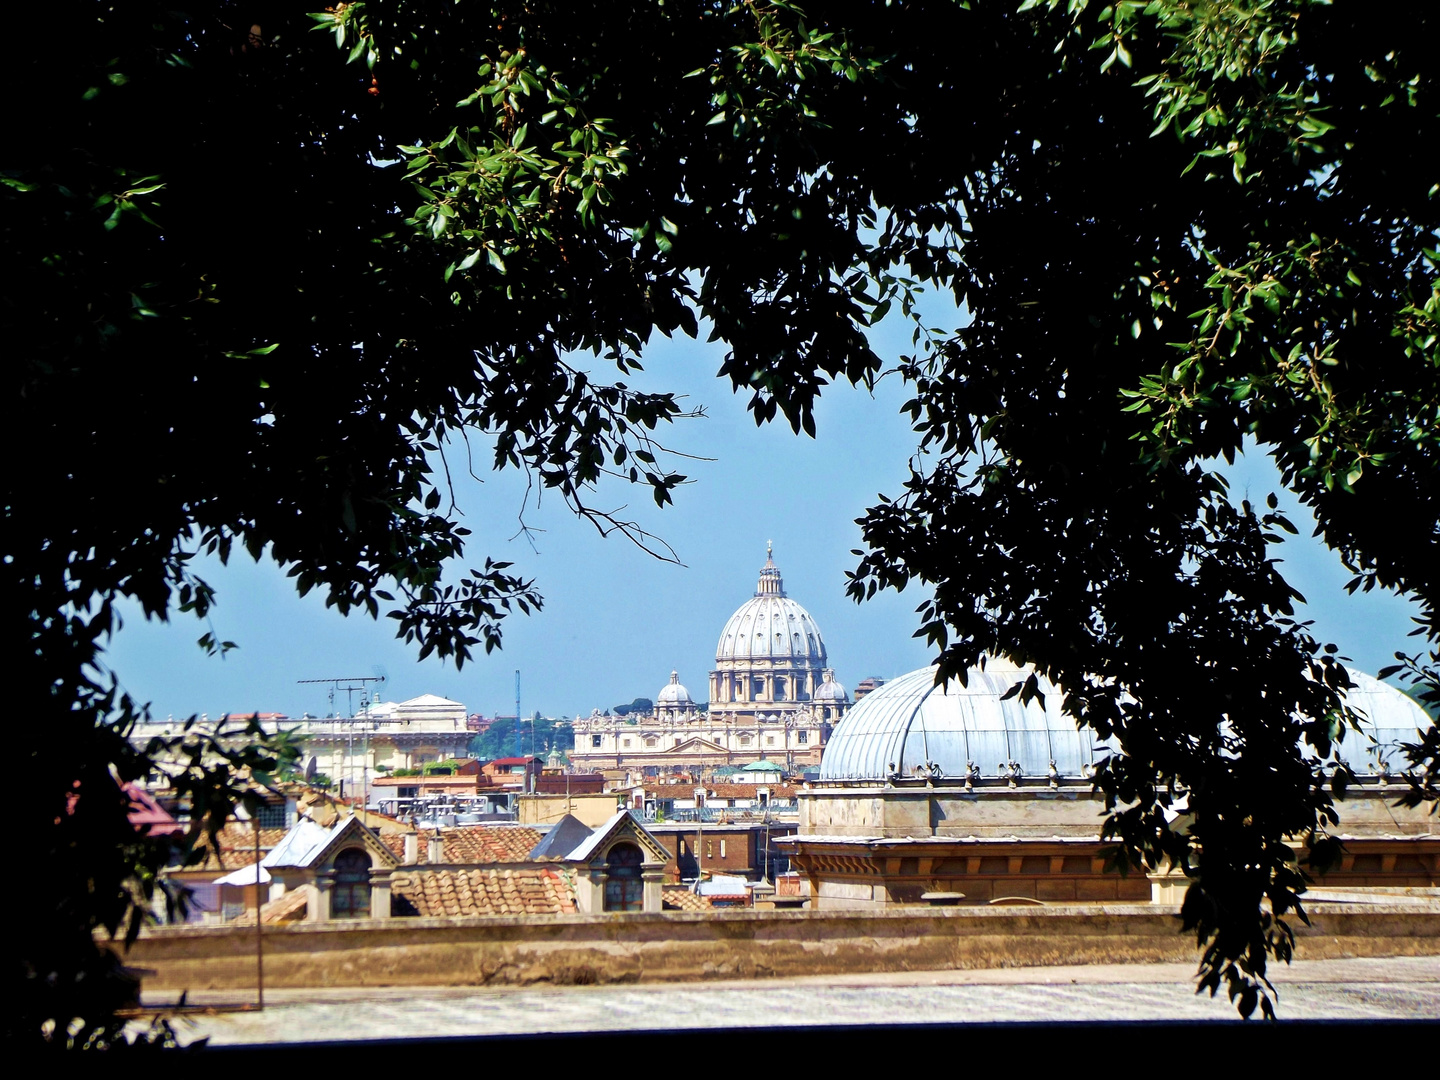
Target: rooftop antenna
x=519, y=746
x=349, y=686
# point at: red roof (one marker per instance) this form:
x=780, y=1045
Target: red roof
x=237, y=847
x=147, y=815
x=525, y=890
x=473, y=844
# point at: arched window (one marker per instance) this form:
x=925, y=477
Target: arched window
x=624, y=887
x=350, y=898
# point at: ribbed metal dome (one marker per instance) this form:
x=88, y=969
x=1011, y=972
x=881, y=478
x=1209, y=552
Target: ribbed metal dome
x=1393, y=718
x=771, y=626
x=910, y=727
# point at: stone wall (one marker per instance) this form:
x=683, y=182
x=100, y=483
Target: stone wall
x=910, y=808
x=687, y=946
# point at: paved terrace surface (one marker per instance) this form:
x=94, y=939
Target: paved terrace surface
x=1404, y=988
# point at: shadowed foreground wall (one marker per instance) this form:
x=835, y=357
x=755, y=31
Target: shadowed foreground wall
x=741, y=944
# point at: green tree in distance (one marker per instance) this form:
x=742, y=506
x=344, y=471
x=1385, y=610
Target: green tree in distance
x=498, y=740
x=270, y=284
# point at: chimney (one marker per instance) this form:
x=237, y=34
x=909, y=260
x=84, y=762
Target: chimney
x=436, y=853
x=412, y=848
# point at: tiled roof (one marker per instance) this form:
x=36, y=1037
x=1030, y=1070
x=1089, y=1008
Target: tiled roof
x=470, y=844
x=290, y=907
x=527, y=890
x=680, y=898
x=237, y=846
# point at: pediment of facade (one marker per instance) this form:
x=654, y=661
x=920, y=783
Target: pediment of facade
x=696, y=746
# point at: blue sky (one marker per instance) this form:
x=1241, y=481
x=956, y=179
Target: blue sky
x=615, y=620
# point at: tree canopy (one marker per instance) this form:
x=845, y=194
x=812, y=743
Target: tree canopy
x=275, y=276
x=538, y=735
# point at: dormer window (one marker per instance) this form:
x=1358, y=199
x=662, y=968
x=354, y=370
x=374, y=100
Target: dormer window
x=350, y=898
x=624, y=885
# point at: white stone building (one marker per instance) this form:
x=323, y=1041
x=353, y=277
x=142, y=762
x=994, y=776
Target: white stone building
x=353, y=750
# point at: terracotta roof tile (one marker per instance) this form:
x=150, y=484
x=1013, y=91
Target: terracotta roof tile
x=680, y=898
x=237, y=847
x=290, y=907
x=529, y=890
x=474, y=844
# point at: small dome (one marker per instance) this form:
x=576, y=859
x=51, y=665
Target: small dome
x=673, y=694
x=771, y=626
x=829, y=690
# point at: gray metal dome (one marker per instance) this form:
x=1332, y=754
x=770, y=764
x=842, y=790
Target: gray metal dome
x=1393, y=717
x=771, y=626
x=911, y=726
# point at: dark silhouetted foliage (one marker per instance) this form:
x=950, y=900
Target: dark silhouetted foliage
x=270, y=275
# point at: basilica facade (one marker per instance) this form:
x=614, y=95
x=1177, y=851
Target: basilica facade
x=772, y=696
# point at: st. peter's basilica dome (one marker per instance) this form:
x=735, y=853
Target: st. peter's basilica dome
x=771, y=658
x=771, y=626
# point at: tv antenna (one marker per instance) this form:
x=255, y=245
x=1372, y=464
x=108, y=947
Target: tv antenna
x=350, y=687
